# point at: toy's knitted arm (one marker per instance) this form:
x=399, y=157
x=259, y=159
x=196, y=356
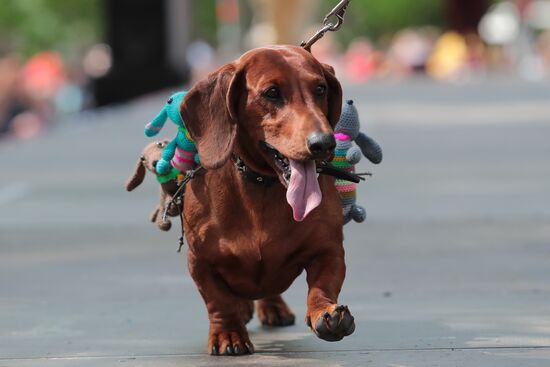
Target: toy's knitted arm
x=163, y=165
x=370, y=148
x=153, y=128
x=353, y=155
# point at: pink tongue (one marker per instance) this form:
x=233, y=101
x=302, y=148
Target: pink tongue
x=303, y=193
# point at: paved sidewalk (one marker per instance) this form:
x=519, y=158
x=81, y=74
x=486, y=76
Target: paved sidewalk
x=452, y=267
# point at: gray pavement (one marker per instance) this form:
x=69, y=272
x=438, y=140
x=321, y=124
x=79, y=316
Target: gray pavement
x=452, y=267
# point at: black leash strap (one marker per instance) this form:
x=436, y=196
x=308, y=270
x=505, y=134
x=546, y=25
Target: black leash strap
x=177, y=200
x=325, y=168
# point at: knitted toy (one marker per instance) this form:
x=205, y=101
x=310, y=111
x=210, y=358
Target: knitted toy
x=348, y=155
x=169, y=183
x=181, y=152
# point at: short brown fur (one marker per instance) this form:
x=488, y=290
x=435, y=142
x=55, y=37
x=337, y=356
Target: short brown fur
x=243, y=242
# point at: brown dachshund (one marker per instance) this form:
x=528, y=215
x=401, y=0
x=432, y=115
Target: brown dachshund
x=273, y=111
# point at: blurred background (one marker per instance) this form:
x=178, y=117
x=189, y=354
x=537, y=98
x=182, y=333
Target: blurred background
x=59, y=57
x=451, y=267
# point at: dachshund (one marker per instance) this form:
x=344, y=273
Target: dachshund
x=259, y=215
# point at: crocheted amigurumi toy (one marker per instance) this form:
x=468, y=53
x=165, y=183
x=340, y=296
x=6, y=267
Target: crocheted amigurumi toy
x=148, y=160
x=347, y=156
x=181, y=152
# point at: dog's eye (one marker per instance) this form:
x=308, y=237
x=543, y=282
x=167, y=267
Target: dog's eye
x=273, y=93
x=320, y=90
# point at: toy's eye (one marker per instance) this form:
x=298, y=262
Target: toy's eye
x=170, y=101
x=321, y=90
x=273, y=93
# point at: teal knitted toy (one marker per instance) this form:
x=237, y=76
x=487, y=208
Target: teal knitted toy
x=347, y=156
x=181, y=152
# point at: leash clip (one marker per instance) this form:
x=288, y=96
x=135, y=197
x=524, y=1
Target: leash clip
x=339, y=12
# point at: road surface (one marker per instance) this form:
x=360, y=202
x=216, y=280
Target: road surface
x=452, y=267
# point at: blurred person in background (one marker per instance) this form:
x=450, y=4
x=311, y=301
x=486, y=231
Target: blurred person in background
x=281, y=21
x=362, y=60
x=9, y=95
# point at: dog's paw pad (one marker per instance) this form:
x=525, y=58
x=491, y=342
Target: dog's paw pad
x=335, y=326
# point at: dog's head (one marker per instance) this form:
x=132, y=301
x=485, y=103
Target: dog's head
x=276, y=107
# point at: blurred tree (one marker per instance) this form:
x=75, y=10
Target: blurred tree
x=377, y=18
x=29, y=26
x=205, y=24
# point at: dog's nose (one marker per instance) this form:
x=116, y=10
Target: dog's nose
x=320, y=144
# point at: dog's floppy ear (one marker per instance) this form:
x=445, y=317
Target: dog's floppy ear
x=334, y=95
x=209, y=112
x=137, y=178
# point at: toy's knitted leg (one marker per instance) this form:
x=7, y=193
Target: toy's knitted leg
x=347, y=218
x=163, y=225
x=358, y=213
x=154, y=215
x=347, y=200
x=163, y=165
x=183, y=160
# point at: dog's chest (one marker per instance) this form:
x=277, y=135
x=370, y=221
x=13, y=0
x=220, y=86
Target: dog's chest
x=259, y=267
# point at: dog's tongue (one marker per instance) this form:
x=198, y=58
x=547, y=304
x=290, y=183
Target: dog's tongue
x=303, y=193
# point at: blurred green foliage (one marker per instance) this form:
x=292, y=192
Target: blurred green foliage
x=205, y=25
x=29, y=26
x=376, y=18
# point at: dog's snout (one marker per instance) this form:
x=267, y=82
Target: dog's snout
x=320, y=144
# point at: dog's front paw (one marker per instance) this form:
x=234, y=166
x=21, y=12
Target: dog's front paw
x=229, y=343
x=333, y=326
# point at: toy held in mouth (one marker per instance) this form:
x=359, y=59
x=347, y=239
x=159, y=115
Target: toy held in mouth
x=180, y=153
x=347, y=155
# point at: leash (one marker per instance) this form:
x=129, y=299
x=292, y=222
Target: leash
x=177, y=200
x=339, y=12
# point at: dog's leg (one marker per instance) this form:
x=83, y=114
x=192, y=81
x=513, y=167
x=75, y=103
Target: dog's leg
x=227, y=334
x=247, y=310
x=327, y=319
x=274, y=311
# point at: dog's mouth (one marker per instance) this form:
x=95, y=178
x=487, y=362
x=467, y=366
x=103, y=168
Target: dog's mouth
x=303, y=192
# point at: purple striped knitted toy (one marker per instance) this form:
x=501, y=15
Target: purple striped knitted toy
x=347, y=155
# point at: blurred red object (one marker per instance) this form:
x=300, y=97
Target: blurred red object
x=361, y=60
x=43, y=75
x=228, y=11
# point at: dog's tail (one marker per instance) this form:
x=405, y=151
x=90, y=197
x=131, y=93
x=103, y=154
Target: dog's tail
x=137, y=178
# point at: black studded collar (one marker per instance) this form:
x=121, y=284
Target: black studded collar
x=253, y=176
